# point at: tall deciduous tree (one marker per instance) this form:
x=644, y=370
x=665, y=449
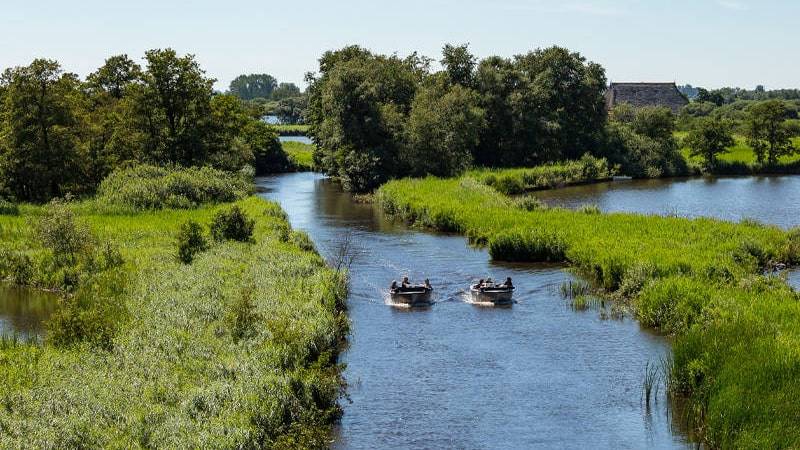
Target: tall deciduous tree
x=709, y=138
x=767, y=131
x=257, y=85
x=443, y=128
x=39, y=138
x=459, y=64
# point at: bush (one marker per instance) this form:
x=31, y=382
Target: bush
x=69, y=240
x=232, y=224
x=7, y=208
x=145, y=187
x=190, y=241
x=302, y=240
x=243, y=316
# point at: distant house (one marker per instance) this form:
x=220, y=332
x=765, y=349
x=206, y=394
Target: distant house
x=645, y=94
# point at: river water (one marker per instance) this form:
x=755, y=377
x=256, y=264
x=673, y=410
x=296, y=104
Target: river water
x=23, y=311
x=456, y=375
x=772, y=199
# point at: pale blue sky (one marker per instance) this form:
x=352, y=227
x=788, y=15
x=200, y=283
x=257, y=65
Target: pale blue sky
x=708, y=43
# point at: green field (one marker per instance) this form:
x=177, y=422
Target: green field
x=236, y=350
x=737, y=332
x=739, y=153
x=301, y=155
x=292, y=130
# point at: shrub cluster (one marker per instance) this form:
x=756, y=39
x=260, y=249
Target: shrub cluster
x=190, y=241
x=517, y=181
x=144, y=187
x=232, y=225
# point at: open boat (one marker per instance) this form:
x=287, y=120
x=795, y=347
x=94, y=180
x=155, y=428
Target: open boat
x=497, y=295
x=412, y=296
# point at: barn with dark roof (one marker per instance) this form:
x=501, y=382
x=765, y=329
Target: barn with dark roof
x=646, y=94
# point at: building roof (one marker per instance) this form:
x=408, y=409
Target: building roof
x=646, y=94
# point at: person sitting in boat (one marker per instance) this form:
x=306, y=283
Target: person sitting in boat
x=405, y=284
x=507, y=285
x=479, y=286
x=393, y=287
x=427, y=285
x=489, y=283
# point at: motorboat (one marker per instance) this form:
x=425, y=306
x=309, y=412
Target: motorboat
x=498, y=295
x=412, y=295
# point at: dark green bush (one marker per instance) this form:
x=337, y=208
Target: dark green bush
x=70, y=240
x=232, y=224
x=243, y=317
x=8, y=208
x=190, y=241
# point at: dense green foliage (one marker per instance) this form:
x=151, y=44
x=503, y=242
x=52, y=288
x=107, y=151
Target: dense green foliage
x=236, y=350
x=375, y=117
x=642, y=142
x=255, y=85
x=588, y=169
x=708, y=139
x=190, y=241
x=232, y=225
x=59, y=135
x=767, y=132
x=737, y=334
x=148, y=187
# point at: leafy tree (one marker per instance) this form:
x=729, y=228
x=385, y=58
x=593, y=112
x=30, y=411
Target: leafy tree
x=172, y=108
x=291, y=110
x=263, y=141
x=497, y=81
x=357, y=108
x=767, y=131
x=286, y=91
x=641, y=141
x=115, y=76
x=459, y=64
x=248, y=87
x=710, y=137
x=443, y=129
x=39, y=131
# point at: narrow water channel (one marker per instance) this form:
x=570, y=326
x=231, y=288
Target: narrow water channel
x=535, y=375
x=23, y=311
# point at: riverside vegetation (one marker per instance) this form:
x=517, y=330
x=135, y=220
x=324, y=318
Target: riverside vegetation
x=163, y=336
x=736, y=329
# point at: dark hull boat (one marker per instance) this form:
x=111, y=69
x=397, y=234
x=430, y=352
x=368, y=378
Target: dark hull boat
x=497, y=296
x=417, y=296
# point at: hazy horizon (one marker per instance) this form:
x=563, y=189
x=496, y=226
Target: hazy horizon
x=711, y=43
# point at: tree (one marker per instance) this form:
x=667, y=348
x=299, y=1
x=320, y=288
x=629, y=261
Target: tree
x=767, y=132
x=710, y=137
x=172, y=108
x=39, y=131
x=115, y=76
x=285, y=91
x=443, y=130
x=257, y=85
x=459, y=64
x=291, y=110
x=357, y=108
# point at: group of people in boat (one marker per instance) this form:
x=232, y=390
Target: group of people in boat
x=406, y=286
x=488, y=284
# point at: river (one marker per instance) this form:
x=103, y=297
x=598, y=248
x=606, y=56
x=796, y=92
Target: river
x=456, y=375
x=771, y=199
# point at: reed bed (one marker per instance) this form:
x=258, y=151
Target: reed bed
x=515, y=181
x=737, y=331
x=236, y=350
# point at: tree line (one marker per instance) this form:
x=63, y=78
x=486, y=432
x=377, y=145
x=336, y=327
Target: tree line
x=262, y=91
x=375, y=117
x=60, y=134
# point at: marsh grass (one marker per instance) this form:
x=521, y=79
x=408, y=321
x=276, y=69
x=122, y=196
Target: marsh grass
x=575, y=288
x=237, y=350
x=515, y=181
x=651, y=383
x=736, y=332
x=301, y=155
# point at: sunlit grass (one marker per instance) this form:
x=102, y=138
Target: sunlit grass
x=300, y=154
x=178, y=374
x=737, y=331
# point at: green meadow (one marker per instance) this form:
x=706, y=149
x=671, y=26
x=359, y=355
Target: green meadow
x=237, y=349
x=739, y=153
x=737, y=331
x=301, y=155
x=292, y=130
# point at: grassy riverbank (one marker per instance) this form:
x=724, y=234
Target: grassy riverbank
x=519, y=180
x=236, y=350
x=292, y=130
x=737, y=332
x=300, y=155
x=741, y=160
